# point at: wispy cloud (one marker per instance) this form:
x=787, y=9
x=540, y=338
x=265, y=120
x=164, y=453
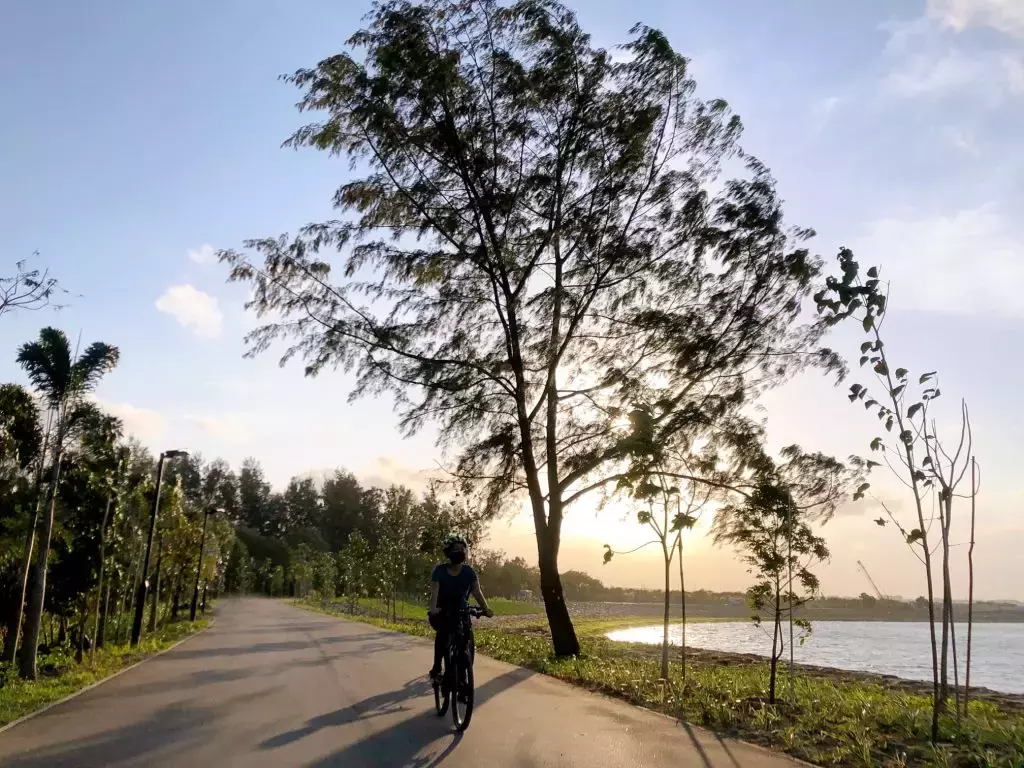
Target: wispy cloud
x=822, y=112
x=1002, y=15
x=229, y=427
x=929, y=57
x=933, y=68
x=970, y=261
x=204, y=254
x=964, y=141
x=193, y=309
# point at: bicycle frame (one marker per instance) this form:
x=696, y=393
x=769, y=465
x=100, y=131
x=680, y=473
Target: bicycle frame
x=460, y=641
x=456, y=686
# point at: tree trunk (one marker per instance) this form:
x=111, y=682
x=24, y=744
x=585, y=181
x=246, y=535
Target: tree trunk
x=80, y=645
x=682, y=606
x=956, y=671
x=14, y=631
x=776, y=652
x=14, y=628
x=99, y=580
x=132, y=586
x=667, y=616
x=947, y=606
x=176, y=599
x=789, y=594
x=908, y=453
x=931, y=632
x=122, y=601
x=101, y=628
x=34, y=616
x=155, y=605
x=563, y=634
x=970, y=587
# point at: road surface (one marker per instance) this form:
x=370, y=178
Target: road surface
x=271, y=685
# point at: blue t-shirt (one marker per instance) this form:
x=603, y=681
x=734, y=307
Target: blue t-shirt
x=453, y=591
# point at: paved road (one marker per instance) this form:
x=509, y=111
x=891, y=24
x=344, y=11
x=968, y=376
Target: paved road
x=270, y=685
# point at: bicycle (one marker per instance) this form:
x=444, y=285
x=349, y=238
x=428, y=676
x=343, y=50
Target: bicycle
x=458, y=666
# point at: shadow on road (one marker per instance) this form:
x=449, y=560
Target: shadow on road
x=283, y=646
x=169, y=731
x=420, y=741
x=374, y=706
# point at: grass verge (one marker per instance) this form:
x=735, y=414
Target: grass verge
x=409, y=610
x=60, y=675
x=823, y=719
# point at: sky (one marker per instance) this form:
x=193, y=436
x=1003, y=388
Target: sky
x=138, y=138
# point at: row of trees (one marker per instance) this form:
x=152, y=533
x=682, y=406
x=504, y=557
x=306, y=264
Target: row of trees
x=340, y=538
x=76, y=496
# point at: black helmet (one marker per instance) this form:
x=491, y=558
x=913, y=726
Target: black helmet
x=451, y=540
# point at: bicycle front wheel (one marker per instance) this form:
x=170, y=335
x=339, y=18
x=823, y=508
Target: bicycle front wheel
x=462, y=701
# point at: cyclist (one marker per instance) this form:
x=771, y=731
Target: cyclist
x=451, y=584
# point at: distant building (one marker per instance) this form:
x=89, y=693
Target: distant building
x=524, y=594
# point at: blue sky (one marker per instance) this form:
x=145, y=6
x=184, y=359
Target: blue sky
x=137, y=135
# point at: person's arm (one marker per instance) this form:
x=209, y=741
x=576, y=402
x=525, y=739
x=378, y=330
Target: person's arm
x=435, y=588
x=480, y=599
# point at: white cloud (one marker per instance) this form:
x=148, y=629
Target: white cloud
x=384, y=471
x=146, y=424
x=1002, y=15
x=193, y=309
x=970, y=262
x=927, y=60
x=204, y=254
x=933, y=73
x=228, y=427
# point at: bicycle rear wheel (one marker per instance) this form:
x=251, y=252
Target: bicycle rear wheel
x=441, y=698
x=462, y=711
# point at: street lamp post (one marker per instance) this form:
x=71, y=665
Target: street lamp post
x=140, y=597
x=199, y=566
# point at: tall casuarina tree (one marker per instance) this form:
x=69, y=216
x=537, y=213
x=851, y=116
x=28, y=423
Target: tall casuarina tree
x=535, y=232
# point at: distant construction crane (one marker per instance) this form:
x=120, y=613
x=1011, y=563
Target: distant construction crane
x=872, y=582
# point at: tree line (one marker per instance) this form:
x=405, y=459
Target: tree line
x=76, y=501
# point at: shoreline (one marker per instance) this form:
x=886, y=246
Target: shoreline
x=1009, y=701
x=822, y=715
x=534, y=624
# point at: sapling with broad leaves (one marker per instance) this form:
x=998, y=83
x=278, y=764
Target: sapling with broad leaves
x=776, y=541
x=668, y=525
x=915, y=455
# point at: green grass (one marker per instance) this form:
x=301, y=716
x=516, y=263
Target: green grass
x=410, y=610
x=505, y=607
x=60, y=676
x=821, y=719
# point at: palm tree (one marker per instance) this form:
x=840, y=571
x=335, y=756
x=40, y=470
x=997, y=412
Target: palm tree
x=21, y=447
x=63, y=382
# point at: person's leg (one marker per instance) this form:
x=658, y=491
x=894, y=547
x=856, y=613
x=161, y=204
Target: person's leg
x=440, y=642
